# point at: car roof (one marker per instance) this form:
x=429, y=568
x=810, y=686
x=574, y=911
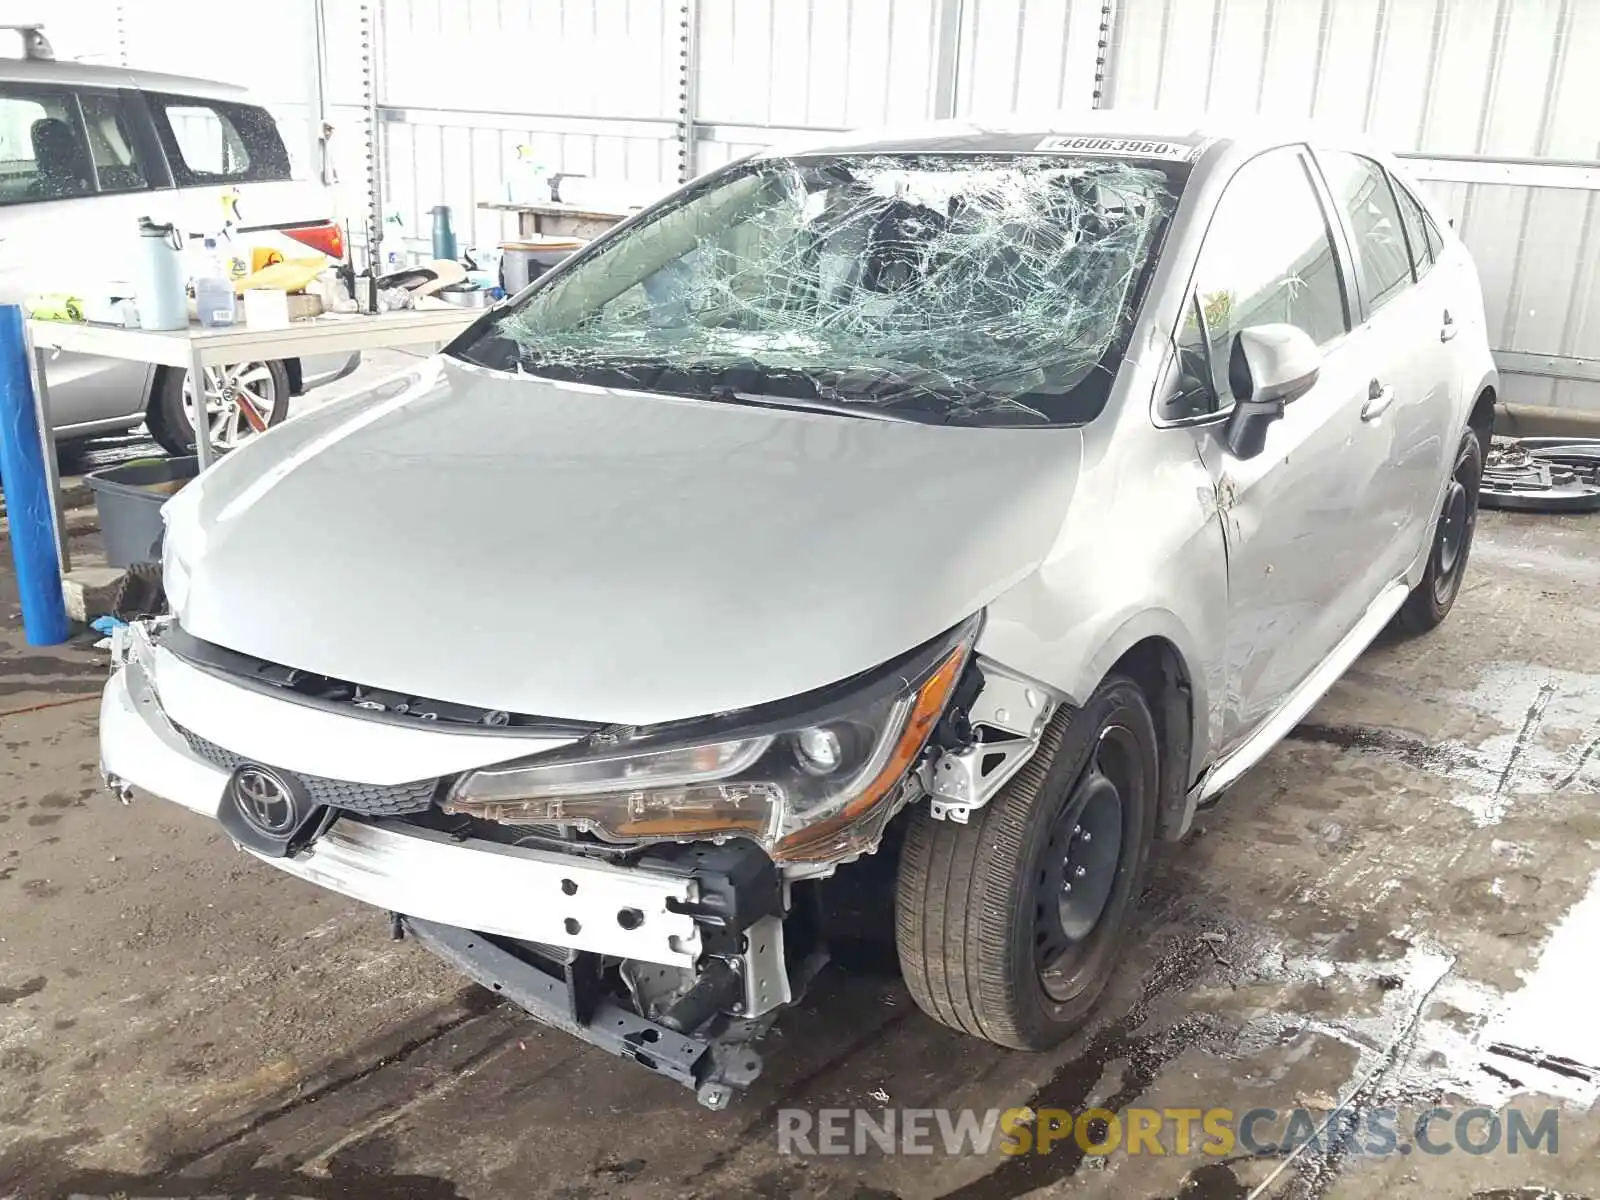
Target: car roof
x=76, y=74
x=1170, y=135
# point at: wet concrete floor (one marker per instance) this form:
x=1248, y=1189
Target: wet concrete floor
x=1398, y=908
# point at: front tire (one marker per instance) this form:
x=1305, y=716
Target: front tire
x=264, y=386
x=1009, y=927
x=1431, y=600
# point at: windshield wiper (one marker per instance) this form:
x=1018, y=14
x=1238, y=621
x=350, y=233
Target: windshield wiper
x=746, y=381
x=864, y=411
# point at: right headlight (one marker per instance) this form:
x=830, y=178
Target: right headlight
x=812, y=786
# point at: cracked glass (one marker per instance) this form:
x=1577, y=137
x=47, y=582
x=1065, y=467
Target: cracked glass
x=960, y=289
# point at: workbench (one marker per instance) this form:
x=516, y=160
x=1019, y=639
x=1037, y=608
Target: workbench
x=564, y=220
x=196, y=348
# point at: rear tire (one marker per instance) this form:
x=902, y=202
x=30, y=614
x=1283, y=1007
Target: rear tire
x=1431, y=600
x=168, y=416
x=1009, y=927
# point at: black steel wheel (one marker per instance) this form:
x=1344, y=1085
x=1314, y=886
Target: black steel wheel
x=1431, y=600
x=1010, y=926
x=1078, y=871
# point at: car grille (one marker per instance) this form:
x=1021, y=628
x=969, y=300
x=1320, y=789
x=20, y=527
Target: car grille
x=368, y=799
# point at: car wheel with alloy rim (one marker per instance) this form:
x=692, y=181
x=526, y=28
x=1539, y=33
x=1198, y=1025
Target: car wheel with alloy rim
x=242, y=399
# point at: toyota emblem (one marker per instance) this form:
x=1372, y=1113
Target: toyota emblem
x=265, y=801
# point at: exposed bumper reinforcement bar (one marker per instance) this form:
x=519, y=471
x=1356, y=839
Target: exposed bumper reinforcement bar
x=709, y=1066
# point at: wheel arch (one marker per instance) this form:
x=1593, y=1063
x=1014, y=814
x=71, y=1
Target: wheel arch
x=1158, y=667
x=1159, y=652
x=1481, y=418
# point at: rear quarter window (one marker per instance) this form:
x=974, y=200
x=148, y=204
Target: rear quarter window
x=219, y=141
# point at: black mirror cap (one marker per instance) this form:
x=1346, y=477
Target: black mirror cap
x=1269, y=367
x=1246, y=432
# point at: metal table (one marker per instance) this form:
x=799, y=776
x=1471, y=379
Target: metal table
x=196, y=348
x=568, y=220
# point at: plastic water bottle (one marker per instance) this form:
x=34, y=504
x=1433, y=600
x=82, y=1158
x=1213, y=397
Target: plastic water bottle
x=444, y=234
x=213, y=290
x=394, y=243
x=527, y=179
x=158, y=279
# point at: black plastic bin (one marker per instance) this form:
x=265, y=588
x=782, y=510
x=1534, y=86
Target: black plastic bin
x=129, y=497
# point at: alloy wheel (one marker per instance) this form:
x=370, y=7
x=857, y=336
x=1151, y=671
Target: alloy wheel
x=240, y=399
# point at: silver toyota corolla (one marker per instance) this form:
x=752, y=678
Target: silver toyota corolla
x=991, y=494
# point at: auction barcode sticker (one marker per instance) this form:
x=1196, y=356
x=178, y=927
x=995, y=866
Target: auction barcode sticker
x=1118, y=147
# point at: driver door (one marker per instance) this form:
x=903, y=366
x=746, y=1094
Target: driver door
x=1300, y=518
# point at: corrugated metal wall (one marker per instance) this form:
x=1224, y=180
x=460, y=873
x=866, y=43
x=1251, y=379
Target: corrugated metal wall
x=1496, y=99
x=593, y=85
x=590, y=85
x=1471, y=88
x=1036, y=55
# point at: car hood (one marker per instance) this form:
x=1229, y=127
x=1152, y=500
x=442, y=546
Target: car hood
x=568, y=551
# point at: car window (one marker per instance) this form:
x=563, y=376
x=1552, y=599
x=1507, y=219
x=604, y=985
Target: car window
x=111, y=144
x=1361, y=188
x=1416, y=222
x=1435, y=241
x=42, y=151
x=219, y=141
x=1268, y=258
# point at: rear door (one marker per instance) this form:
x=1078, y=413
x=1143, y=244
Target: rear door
x=1296, y=518
x=1413, y=376
x=1447, y=280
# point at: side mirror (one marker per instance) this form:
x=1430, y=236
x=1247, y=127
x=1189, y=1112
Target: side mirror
x=1269, y=366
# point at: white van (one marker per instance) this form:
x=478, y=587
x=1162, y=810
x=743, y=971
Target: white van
x=85, y=151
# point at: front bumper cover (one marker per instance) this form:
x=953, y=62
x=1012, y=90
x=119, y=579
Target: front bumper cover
x=510, y=891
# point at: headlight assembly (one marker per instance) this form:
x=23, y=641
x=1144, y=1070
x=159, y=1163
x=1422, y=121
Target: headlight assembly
x=813, y=783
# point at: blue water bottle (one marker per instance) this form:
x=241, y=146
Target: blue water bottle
x=444, y=234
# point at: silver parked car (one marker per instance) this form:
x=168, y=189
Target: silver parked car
x=992, y=495
x=91, y=149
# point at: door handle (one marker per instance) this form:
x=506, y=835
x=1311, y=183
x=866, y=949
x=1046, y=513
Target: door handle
x=1379, y=398
x=1447, y=331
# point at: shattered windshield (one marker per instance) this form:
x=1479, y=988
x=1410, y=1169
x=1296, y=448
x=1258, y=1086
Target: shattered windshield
x=971, y=289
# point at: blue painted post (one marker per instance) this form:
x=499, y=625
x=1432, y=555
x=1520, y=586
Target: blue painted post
x=29, y=504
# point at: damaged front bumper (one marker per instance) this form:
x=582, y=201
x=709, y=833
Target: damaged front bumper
x=698, y=931
x=505, y=890
x=559, y=994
